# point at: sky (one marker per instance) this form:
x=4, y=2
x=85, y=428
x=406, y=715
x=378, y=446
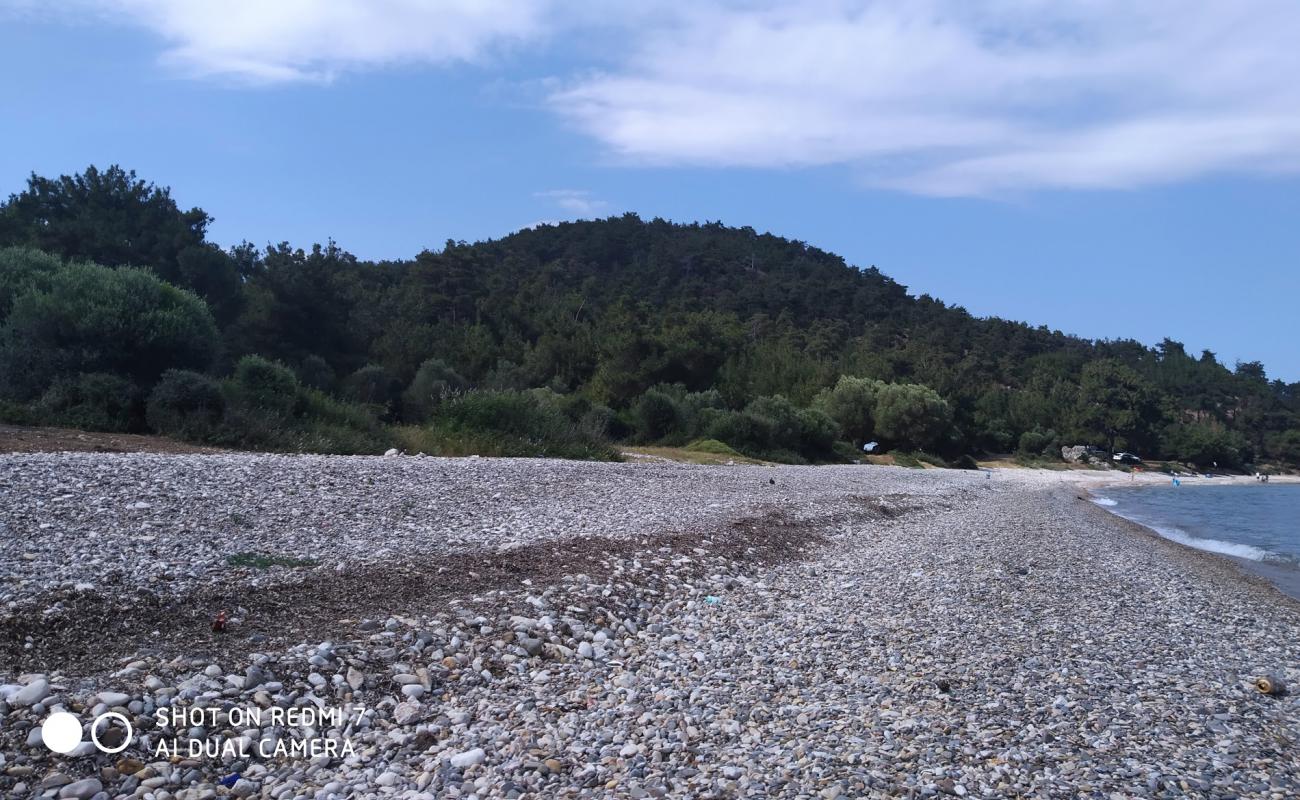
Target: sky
x=1109, y=169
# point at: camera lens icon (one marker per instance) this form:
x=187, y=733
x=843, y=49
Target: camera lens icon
x=115, y=741
x=61, y=732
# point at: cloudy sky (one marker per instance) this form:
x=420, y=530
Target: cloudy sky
x=1107, y=168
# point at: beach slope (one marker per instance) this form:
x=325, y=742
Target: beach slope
x=504, y=627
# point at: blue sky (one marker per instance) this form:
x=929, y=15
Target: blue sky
x=1102, y=170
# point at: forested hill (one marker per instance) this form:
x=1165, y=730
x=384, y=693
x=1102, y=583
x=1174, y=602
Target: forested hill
x=651, y=323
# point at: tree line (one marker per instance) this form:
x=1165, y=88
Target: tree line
x=117, y=313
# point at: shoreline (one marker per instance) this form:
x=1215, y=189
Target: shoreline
x=1284, y=578
x=777, y=631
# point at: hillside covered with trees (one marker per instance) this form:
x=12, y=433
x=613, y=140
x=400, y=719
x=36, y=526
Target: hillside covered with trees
x=117, y=313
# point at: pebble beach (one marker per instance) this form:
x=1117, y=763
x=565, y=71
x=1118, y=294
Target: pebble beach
x=531, y=628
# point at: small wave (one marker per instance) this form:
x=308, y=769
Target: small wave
x=1104, y=501
x=1215, y=546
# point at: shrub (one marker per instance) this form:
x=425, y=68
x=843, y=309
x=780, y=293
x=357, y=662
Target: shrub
x=657, y=416
x=185, y=404
x=808, y=432
x=965, y=461
x=93, y=401
x=1038, y=442
x=23, y=269
x=17, y=414
x=433, y=383
x=1285, y=446
x=600, y=422
x=512, y=423
x=780, y=415
x=327, y=425
x=817, y=432
x=371, y=385
x=91, y=319
x=750, y=434
x=1206, y=445
x=905, y=459
x=263, y=386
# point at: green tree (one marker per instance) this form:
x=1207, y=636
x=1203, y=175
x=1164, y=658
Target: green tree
x=115, y=219
x=89, y=318
x=1114, y=402
x=1208, y=445
x=911, y=416
x=852, y=404
x=22, y=269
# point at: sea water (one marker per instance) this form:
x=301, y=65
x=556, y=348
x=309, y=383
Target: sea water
x=1258, y=523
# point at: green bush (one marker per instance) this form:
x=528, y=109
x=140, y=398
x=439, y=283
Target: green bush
x=327, y=425
x=185, y=404
x=23, y=269
x=808, y=432
x=843, y=451
x=657, y=416
x=817, y=433
x=433, y=383
x=94, y=401
x=750, y=434
x=267, y=409
x=262, y=386
x=600, y=422
x=782, y=417
x=967, y=461
x=1285, y=446
x=1040, y=443
x=91, y=319
x=12, y=413
x=371, y=385
x=512, y=423
x=1206, y=445
x=905, y=459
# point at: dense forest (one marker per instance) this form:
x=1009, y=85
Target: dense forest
x=117, y=313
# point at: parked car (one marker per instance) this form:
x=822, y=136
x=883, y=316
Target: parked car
x=1126, y=458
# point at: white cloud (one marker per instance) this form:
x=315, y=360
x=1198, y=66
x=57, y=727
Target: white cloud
x=579, y=202
x=953, y=98
x=288, y=40
x=940, y=97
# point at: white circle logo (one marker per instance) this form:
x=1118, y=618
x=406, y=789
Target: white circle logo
x=61, y=732
x=107, y=715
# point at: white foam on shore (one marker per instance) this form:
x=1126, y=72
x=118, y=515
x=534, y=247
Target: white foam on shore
x=1104, y=501
x=1245, y=551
